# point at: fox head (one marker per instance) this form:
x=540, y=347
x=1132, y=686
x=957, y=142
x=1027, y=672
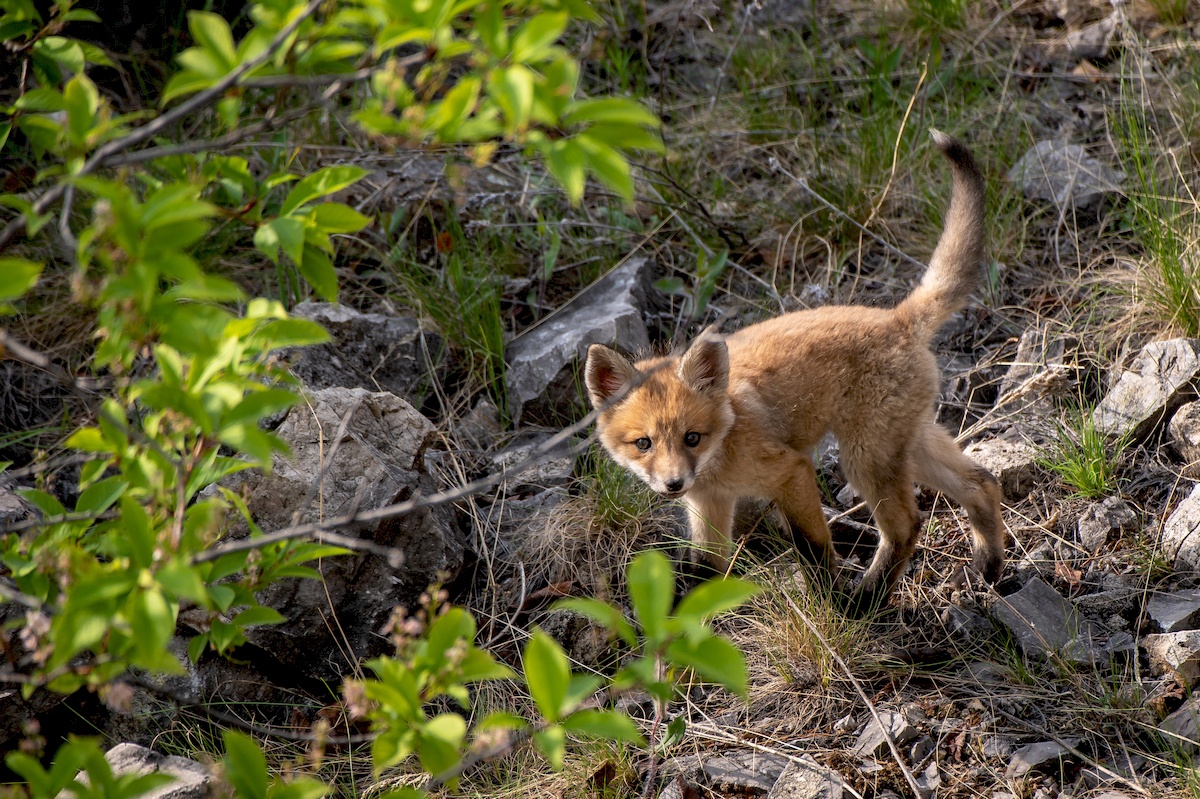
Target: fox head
x=668, y=416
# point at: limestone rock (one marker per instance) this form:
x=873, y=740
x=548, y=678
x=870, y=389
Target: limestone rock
x=1047, y=756
x=740, y=771
x=1177, y=653
x=1103, y=521
x=1044, y=623
x=1181, y=729
x=190, y=779
x=1176, y=611
x=1064, y=174
x=1091, y=41
x=1181, y=532
x=1162, y=377
x=1184, y=430
x=807, y=779
x=378, y=461
x=1013, y=462
x=541, y=377
x=373, y=351
x=554, y=469
x=872, y=742
x=1039, y=368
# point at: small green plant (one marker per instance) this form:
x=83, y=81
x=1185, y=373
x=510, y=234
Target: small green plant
x=619, y=498
x=1172, y=12
x=1084, y=457
x=937, y=15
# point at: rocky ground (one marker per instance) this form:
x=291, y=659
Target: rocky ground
x=1068, y=378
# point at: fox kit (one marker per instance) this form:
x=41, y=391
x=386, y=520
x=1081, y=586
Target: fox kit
x=740, y=416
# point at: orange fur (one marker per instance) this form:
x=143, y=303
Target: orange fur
x=740, y=416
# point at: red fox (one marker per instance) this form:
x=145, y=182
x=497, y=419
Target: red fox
x=740, y=415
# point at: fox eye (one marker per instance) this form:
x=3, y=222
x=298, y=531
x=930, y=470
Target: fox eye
x=642, y=444
x=692, y=439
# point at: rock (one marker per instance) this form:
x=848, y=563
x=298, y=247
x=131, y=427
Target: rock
x=1181, y=729
x=1044, y=623
x=738, y=771
x=584, y=641
x=372, y=351
x=481, y=427
x=928, y=781
x=1177, y=653
x=1091, y=41
x=1046, y=757
x=190, y=779
x=541, y=378
x=1162, y=377
x=555, y=468
x=1127, y=765
x=1181, y=533
x=377, y=462
x=1038, y=369
x=999, y=747
x=1103, y=521
x=1184, y=430
x=872, y=742
x=983, y=673
x=965, y=624
x=1176, y=611
x=1064, y=174
x=807, y=779
x=13, y=507
x=1122, y=602
x=1013, y=462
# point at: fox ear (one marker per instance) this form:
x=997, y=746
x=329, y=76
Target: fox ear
x=705, y=365
x=605, y=373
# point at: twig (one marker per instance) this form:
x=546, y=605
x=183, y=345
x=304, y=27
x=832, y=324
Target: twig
x=14, y=594
x=887, y=736
x=20, y=351
x=326, y=461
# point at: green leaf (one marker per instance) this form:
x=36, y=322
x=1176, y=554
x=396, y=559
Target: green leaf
x=99, y=496
x=714, y=659
x=610, y=109
x=512, y=89
x=339, y=218
x=43, y=99
x=532, y=41
x=567, y=162
x=714, y=596
x=260, y=614
x=608, y=725
x=188, y=82
x=61, y=50
x=609, y=165
x=46, y=503
x=17, y=276
x=211, y=32
x=652, y=590
x=552, y=743
x=245, y=766
x=289, y=232
x=318, y=270
x=440, y=744
x=547, y=673
x=321, y=183
x=81, y=100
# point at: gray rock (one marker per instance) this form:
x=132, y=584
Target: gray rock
x=541, y=378
x=999, y=747
x=1127, y=765
x=1037, y=371
x=377, y=462
x=742, y=771
x=373, y=351
x=1181, y=730
x=872, y=742
x=807, y=779
x=556, y=468
x=1064, y=174
x=1044, y=624
x=1162, y=377
x=13, y=507
x=1103, y=521
x=1181, y=532
x=1184, y=430
x=928, y=781
x=965, y=624
x=984, y=673
x=481, y=426
x=1175, y=653
x=1091, y=41
x=1176, y=611
x=190, y=779
x=1013, y=462
x=1046, y=757
x=584, y=641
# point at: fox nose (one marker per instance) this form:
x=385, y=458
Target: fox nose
x=674, y=485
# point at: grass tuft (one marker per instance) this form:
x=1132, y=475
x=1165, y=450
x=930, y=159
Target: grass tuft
x=1083, y=457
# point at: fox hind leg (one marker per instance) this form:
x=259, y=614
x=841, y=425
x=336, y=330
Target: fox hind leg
x=939, y=464
x=887, y=486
